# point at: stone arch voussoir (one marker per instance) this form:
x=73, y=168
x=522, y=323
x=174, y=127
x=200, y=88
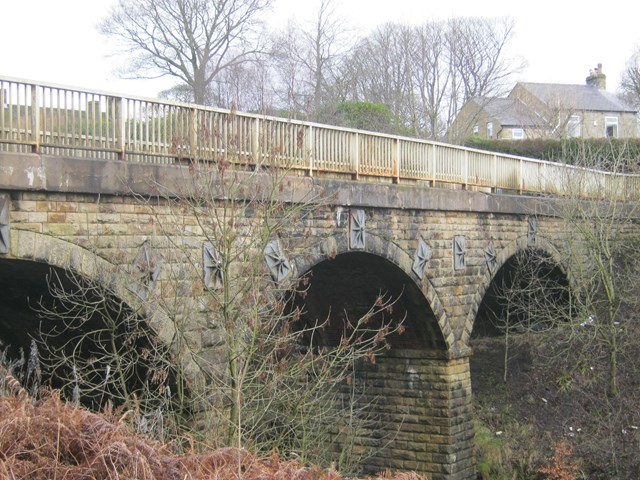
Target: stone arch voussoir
x=37, y=247
x=335, y=245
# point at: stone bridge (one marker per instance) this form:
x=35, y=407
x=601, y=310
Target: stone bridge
x=439, y=248
x=82, y=178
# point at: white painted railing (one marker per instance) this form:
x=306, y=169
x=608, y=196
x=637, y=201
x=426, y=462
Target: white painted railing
x=58, y=120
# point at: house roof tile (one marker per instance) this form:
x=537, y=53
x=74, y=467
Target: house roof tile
x=508, y=111
x=577, y=97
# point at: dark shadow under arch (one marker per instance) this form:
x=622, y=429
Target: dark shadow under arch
x=75, y=323
x=526, y=284
x=505, y=351
x=404, y=381
x=63, y=255
x=544, y=248
x=346, y=287
x=22, y=284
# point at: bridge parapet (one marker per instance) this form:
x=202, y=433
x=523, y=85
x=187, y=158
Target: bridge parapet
x=65, y=121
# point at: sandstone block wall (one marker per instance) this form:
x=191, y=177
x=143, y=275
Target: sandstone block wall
x=423, y=397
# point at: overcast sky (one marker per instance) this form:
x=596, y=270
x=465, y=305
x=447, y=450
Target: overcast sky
x=57, y=41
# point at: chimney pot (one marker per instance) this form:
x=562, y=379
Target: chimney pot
x=597, y=79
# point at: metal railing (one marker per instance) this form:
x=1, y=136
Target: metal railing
x=59, y=120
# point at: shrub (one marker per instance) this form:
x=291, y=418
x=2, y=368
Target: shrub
x=561, y=467
x=603, y=151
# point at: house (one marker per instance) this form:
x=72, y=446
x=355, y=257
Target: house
x=549, y=110
x=496, y=118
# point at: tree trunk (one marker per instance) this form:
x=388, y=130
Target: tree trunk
x=199, y=87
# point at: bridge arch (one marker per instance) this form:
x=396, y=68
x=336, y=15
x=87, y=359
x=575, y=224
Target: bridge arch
x=98, y=312
x=54, y=252
x=520, y=244
x=384, y=255
x=419, y=392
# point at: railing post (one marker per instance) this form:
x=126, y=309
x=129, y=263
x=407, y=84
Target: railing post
x=255, y=140
x=627, y=189
x=495, y=173
x=193, y=135
x=520, y=177
x=396, y=160
x=465, y=173
x=35, y=119
x=355, y=161
x=309, y=149
x=120, y=127
x=434, y=167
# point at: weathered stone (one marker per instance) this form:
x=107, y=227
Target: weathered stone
x=422, y=390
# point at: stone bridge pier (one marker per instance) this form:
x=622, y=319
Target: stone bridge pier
x=434, y=250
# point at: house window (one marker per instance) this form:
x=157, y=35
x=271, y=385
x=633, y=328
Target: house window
x=517, y=133
x=611, y=127
x=476, y=129
x=490, y=130
x=574, y=129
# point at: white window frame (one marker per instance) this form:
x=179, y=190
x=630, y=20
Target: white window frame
x=574, y=126
x=489, y=129
x=476, y=129
x=517, y=133
x=611, y=121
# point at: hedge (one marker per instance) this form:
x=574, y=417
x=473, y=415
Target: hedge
x=597, y=152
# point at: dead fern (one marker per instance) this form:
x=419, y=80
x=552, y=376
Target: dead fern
x=49, y=439
x=560, y=467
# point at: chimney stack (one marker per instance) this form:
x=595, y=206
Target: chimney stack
x=597, y=79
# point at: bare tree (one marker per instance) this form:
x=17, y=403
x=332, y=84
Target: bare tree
x=307, y=56
x=324, y=43
x=630, y=81
x=602, y=249
x=477, y=54
x=432, y=78
x=378, y=69
x=528, y=294
x=279, y=386
x=245, y=87
x=289, y=72
x=101, y=354
x=189, y=40
x=269, y=380
x=603, y=233
x=425, y=74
